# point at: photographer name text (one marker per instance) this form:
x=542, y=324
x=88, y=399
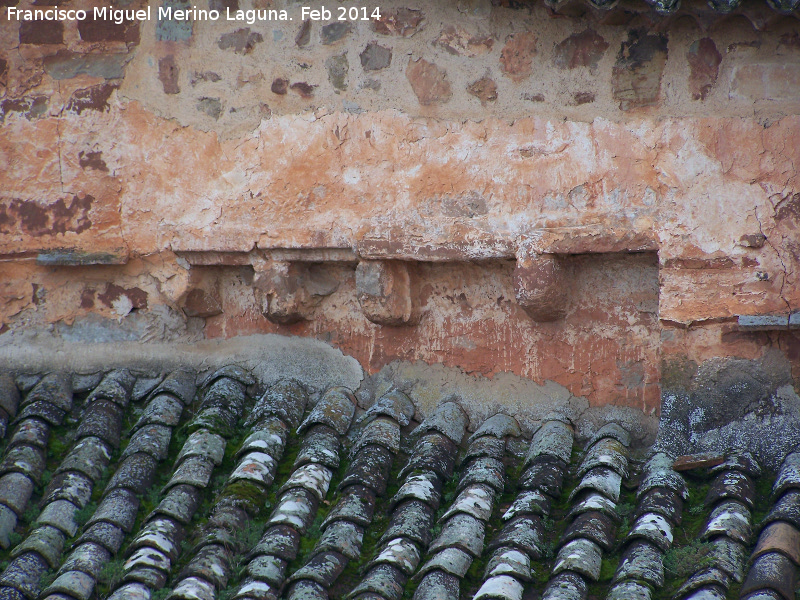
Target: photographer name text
x=169, y=13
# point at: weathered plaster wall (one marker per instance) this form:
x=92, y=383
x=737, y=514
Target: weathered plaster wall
x=185, y=163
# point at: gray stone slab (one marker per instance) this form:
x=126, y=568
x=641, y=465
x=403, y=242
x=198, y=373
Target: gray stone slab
x=282, y=541
x=566, y=586
x=102, y=419
x=72, y=486
x=580, y=556
x=509, y=561
x=180, y=503
x=433, y=452
x=136, y=473
x=194, y=470
x=47, y=541
x=394, y=404
x=641, y=561
x=89, y=456
x=320, y=445
x=61, y=515
x=343, y=537
x=163, y=409
x=89, y=558
x=30, y=432
x=335, y=409
x=286, y=400
x=105, y=534
x=412, y=519
x=370, y=467
x=401, y=553
x=476, y=500
x=461, y=531
x=553, y=438
x=15, y=491
x=118, y=507
x=524, y=532
x=437, y=585
x=653, y=528
x=500, y=587
x=606, y=452
x=356, y=504
x=323, y=568
x=381, y=431
x=383, y=580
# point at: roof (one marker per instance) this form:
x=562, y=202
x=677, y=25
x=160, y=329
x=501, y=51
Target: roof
x=197, y=488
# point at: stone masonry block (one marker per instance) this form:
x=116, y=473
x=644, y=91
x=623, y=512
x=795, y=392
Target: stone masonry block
x=540, y=286
x=385, y=292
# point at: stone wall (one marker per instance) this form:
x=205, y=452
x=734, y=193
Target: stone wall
x=554, y=191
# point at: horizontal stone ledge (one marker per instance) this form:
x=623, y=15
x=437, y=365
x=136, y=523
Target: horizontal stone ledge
x=65, y=257
x=769, y=322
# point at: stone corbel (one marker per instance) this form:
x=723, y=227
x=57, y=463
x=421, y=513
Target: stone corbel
x=291, y=291
x=540, y=286
x=385, y=290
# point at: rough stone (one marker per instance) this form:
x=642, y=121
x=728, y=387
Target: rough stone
x=704, y=60
x=636, y=78
x=375, y=57
x=516, y=58
x=584, y=49
x=428, y=81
